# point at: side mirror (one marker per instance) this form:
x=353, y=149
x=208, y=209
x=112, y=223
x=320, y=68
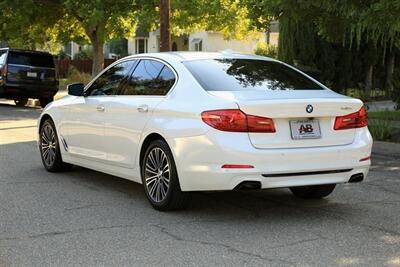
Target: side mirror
x=75, y=89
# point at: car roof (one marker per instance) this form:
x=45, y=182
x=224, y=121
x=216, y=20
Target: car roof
x=188, y=56
x=25, y=51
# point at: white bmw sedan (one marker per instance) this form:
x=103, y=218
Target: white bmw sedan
x=180, y=122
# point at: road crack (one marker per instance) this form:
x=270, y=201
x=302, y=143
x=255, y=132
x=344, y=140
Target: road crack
x=221, y=245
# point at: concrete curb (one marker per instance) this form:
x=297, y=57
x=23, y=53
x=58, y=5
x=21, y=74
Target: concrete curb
x=36, y=102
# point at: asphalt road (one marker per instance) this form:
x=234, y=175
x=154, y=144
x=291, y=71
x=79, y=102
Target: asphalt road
x=86, y=218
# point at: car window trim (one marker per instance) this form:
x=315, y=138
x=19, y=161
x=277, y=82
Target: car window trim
x=166, y=64
x=128, y=76
x=137, y=58
x=104, y=71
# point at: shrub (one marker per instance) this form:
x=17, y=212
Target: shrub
x=266, y=50
x=85, y=53
x=381, y=130
x=75, y=76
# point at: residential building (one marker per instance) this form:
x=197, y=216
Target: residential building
x=197, y=41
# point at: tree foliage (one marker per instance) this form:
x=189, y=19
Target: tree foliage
x=28, y=23
x=343, y=42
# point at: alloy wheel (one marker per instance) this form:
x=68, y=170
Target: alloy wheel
x=157, y=174
x=48, y=145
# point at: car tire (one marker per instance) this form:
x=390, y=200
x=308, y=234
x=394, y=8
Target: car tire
x=45, y=101
x=20, y=102
x=313, y=191
x=50, y=149
x=160, y=178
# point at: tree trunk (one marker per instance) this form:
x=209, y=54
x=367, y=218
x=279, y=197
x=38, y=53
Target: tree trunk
x=389, y=73
x=368, y=80
x=98, y=57
x=97, y=40
x=165, y=34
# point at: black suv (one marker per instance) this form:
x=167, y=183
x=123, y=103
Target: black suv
x=27, y=74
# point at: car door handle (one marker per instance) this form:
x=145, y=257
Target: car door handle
x=101, y=108
x=143, y=108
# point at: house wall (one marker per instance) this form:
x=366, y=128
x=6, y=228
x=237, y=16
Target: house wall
x=212, y=42
x=154, y=42
x=180, y=43
x=216, y=42
x=203, y=35
x=274, y=38
x=131, y=46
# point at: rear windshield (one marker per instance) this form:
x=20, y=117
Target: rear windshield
x=30, y=59
x=247, y=74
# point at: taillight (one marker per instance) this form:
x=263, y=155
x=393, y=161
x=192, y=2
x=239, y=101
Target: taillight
x=3, y=71
x=235, y=120
x=353, y=120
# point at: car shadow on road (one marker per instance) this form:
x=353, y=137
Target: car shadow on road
x=18, y=113
x=223, y=205
x=228, y=205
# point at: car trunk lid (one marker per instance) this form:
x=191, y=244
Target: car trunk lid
x=289, y=113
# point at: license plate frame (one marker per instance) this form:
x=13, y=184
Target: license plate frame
x=31, y=74
x=305, y=129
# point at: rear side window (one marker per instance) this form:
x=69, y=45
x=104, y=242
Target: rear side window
x=109, y=82
x=247, y=74
x=30, y=59
x=3, y=54
x=150, y=77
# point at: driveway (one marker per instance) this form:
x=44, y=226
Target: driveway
x=86, y=218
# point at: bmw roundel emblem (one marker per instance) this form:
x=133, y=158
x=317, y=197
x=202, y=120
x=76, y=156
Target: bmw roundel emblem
x=309, y=108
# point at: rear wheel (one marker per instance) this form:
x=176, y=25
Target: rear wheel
x=313, y=191
x=45, y=101
x=160, y=178
x=50, y=149
x=20, y=102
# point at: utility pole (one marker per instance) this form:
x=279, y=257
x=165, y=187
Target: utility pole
x=165, y=30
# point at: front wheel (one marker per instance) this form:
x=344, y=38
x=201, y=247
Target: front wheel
x=313, y=191
x=50, y=148
x=160, y=178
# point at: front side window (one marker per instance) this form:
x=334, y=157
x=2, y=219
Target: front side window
x=248, y=74
x=109, y=82
x=150, y=77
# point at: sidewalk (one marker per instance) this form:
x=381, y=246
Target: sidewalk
x=387, y=149
x=36, y=103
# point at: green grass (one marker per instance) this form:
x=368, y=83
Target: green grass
x=393, y=115
x=381, y=130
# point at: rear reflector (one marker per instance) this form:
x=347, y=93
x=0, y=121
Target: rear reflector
x=351, y=121
x=235, y=166
x=365, y=159
x=235, y=120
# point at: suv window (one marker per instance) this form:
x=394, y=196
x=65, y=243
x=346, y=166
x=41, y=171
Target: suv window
x=150, y=78
x=248, y=74
x=3, y=54
x=109, y=82
x=30, y=59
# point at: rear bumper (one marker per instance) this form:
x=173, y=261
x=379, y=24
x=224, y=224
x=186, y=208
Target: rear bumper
x=9, y=90
x=199, y=160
